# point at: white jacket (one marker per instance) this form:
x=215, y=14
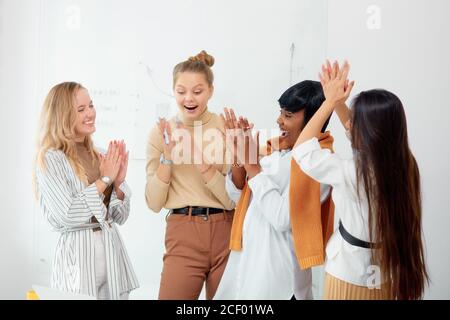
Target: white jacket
x=68, y=205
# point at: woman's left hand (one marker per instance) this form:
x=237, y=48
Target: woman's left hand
x=251, y=148
x=124, y=165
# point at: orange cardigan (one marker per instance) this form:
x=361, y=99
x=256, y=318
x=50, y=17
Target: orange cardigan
x=311, y=221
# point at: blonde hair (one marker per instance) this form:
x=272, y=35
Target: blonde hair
x=57, y=129
x=201, y=63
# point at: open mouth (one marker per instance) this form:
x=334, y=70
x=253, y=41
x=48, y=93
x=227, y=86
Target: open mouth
x=284, y=133
x=89, y=123
x=190, y=108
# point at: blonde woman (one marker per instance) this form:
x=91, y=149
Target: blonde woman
x=83, y=194
x=199, y=224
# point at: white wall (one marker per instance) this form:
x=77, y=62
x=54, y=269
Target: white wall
x=18, y=112
x=409, y=55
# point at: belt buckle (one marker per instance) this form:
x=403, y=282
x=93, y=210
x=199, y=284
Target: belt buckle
x=205, y=216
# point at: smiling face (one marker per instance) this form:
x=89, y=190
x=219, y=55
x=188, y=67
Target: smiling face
x=85, y=115
x=290, y=124
x=192, y=93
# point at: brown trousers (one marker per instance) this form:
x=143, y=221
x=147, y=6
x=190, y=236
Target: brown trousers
x=197, y=250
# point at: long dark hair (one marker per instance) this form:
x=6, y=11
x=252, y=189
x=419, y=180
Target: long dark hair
x=388, y=173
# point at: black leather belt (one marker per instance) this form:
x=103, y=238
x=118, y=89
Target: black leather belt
x=355, y=241
x=197, y=211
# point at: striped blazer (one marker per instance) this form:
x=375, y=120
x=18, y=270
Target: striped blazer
x=68, y=205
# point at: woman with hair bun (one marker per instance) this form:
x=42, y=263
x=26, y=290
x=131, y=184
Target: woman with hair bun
x=191, y=188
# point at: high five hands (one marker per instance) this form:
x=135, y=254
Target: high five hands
x=336, y=88
x=335, y=83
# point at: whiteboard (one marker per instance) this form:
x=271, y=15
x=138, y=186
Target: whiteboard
x=123, y=52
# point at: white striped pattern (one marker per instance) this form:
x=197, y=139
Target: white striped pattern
x=68, y=204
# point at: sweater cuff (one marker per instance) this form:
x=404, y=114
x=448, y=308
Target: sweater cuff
x=306, y=147
x=313, y=261
x=231, y=187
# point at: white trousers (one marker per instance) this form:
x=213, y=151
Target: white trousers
x=101, y=279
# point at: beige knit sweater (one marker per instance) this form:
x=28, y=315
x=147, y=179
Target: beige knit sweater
x=187, y=187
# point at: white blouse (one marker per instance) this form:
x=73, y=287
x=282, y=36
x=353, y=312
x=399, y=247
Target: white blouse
x=344, y=261
x=266, y=267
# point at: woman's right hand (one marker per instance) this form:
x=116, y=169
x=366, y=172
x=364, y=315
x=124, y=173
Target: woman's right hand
x=230, y=138
x=250, y=154
x=111, y=161
x=166, y=138
x=233, y=132
x=335, y=84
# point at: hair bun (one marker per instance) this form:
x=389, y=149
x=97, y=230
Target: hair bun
x=204, y=57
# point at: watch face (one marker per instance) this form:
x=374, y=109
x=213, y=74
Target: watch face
x=164, y=160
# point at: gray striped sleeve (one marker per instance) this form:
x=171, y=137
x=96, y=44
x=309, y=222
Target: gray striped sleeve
x=120, y=209
x=68, y=209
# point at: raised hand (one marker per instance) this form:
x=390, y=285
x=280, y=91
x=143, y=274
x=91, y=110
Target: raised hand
x=335, y=84
x=233, y=134
x=111, y=162
x=250, y=144
x=341, y=108
x=166, y=138
x=124, y=164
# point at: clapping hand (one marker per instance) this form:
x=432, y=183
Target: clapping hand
x=111, y=162
x=124, y=163
x=234, y=135
x=166, y=138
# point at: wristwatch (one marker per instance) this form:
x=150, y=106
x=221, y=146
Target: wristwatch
x=163, y=160
x=106, y=180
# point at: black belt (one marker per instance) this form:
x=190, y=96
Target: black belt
x=198, y=211
x=355, y=241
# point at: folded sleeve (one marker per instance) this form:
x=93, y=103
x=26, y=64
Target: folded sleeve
x=233, y=192
x=61, y=205
x=272, y=203
x=120, y=209
x=320, y=164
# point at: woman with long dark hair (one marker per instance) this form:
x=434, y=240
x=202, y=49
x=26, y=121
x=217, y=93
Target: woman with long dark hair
x=376, y=251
